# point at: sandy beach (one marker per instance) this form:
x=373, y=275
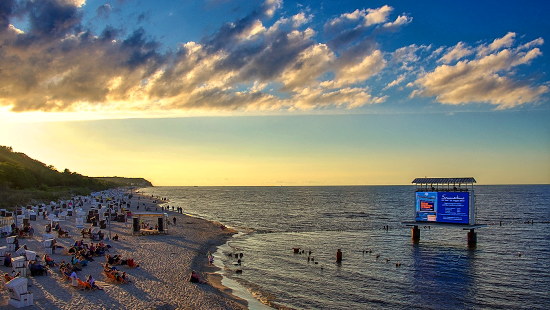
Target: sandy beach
x=161, y=281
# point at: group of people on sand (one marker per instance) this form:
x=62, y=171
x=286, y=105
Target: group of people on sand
x=113, y=273
x=88, y=284
x=61, y=233
x=27, y=231
x=82, y=255
x=94, y=236
x=117, y=260
x=88, y=251
x=69, y=269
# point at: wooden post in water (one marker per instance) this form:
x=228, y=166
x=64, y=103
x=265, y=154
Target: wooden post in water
x=472, y=238
x=415, y=232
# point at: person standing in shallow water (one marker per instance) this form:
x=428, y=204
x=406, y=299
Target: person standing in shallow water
x=339, y=256
x=174, y=219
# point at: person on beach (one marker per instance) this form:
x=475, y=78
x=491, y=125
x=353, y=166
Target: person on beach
x=7, y=277
x=196, y=277
x=7, y=260
x=37, y=269
x=174, y=219
x=90, y=280
x=210, y=259
x=74, y=279
x=49, y=261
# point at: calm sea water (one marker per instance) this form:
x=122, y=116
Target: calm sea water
x=509, y=268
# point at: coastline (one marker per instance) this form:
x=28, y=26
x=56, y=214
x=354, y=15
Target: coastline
x=161, y=282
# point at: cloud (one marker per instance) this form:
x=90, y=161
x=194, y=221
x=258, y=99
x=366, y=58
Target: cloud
x=270, y=6
x=50, y=19
x=310, y=64
x=351, y=73
x=104, y=10
x=60, y=65
x=264, y=61
x=497, y=44
x=365, y=17
x=75, y=3
x=399, y=21
x=396, y=82
x=377, y=16
x=457, y=52
x=488, y=78
x=407, y=58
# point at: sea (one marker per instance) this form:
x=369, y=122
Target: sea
x=381, y=267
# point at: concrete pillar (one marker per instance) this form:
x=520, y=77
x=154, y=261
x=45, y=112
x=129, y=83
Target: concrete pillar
x=415, y=233
x=472, y=238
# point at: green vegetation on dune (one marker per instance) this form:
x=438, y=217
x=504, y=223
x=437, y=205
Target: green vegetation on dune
x=24, y=180
x=120, y=181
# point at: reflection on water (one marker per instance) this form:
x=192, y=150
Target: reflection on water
x=442, y=276
x=508, y=269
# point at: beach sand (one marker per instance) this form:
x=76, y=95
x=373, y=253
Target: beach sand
x=161, y=281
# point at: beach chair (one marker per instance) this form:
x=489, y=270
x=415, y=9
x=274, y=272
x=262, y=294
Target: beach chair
x=3, y=250
x=20, y=252
x=30, y=255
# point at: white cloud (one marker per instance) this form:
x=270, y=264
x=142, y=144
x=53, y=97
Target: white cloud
x=407, y=57
x=368, y=17
x=15, y=30
x=497, y=44
x=487, y=79
x=349, y=98
x=505, y=41
x=531, y=44
x=459, y=51
x=308, y=66
x=351, y=73
x=255, y=28
x=377, y=16
x=399, y=21
x=76, y=3
x=395, y=82
x=270, y=6
x=300, y=19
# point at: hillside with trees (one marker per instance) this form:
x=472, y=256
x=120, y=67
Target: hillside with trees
x=25, y=180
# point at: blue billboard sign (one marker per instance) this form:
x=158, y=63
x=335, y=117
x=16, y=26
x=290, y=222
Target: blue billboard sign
x=443, y=207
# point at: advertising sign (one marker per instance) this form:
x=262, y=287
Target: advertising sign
x=443, y=207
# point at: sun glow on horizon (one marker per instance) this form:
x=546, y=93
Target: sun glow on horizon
x=282, y=150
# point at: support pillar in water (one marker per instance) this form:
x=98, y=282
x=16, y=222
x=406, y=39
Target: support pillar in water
x=472, y=238
x=415, y=233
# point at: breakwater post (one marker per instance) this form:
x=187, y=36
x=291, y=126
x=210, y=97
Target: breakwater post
x=415, y=234
x=472, y=238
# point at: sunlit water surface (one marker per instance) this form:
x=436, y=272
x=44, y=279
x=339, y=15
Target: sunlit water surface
x=509, y=269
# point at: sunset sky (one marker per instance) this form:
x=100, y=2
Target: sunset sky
x=222, y=92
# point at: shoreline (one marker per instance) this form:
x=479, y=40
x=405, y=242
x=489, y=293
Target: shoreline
x=161, y=281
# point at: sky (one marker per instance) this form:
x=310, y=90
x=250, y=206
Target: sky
x=222, y=92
